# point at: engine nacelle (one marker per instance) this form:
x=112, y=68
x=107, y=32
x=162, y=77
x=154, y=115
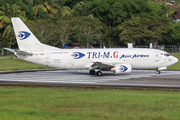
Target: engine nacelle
x=122, y=68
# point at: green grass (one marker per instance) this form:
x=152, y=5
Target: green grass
x=65, y=103
x=17, y=64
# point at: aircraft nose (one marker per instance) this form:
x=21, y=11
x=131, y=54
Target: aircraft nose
x=175, y=60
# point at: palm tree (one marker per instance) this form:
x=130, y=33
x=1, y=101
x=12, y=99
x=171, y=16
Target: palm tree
x=53, y=9
x=66, y=11
x=47, y=8
x=5, y=14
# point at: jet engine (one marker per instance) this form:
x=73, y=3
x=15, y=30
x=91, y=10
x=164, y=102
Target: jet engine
x=122, y=68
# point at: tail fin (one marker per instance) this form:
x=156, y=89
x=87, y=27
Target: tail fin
x=25, y=38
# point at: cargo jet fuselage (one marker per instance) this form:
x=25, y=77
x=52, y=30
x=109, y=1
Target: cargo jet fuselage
x=117, y=60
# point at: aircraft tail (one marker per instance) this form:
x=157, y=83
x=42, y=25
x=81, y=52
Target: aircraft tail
x=26, y=40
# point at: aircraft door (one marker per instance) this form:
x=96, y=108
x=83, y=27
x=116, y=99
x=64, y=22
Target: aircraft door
x=156, y=56
x=48, y=57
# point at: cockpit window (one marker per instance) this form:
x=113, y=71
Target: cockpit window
x=166, y=54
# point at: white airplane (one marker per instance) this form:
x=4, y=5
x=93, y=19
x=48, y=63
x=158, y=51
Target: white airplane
x=117, y=60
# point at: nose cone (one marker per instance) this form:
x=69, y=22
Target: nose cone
x=175, y=60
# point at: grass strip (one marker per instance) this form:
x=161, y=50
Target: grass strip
x=27, y=103
x=8, y=64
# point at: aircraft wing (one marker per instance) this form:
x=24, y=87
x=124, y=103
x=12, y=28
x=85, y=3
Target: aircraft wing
x=18, y=51
x=101, y=65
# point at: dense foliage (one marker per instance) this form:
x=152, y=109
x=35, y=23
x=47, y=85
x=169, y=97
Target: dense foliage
x=91, y=22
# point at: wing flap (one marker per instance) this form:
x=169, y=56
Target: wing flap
x=100, y=65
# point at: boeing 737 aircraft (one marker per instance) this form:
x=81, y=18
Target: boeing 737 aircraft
x=117, y=60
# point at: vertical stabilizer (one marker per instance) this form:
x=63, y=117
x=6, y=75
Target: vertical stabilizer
x=25, y=38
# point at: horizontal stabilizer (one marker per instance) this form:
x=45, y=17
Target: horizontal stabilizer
x=9, y=49
x=18, y=51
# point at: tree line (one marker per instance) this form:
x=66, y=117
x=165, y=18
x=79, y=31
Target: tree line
x=91, y=22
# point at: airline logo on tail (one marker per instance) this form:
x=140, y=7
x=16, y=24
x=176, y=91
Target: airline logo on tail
x=123, y=68
x=23, y=35
x=77, y=55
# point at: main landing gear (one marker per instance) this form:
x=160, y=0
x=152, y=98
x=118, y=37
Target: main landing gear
x=92, y=72
x=98, y=73
x=158, y=71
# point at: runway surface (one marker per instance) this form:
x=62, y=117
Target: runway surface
x=137, y=78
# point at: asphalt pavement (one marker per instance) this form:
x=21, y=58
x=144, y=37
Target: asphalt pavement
x=137, y=78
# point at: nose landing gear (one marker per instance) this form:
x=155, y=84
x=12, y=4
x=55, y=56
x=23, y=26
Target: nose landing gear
x=158, y=71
